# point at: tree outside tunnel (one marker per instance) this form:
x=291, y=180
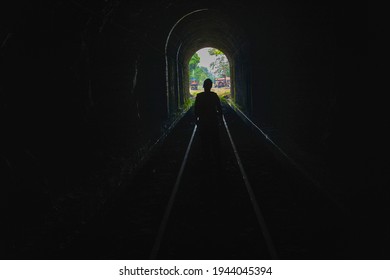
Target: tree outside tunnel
x=209, y=63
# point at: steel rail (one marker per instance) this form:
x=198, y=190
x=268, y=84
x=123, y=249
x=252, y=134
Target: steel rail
x=168, y=210
x=256, y=208
x=297, y=166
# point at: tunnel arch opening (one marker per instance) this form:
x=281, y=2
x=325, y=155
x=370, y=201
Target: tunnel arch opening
x=201, y=29
x=209, y=63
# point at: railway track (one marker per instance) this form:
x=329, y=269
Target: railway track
x=253, y=206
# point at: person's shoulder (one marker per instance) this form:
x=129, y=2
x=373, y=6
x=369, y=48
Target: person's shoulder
x=200, y=94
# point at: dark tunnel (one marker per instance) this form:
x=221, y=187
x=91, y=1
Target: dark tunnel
x=89, y=88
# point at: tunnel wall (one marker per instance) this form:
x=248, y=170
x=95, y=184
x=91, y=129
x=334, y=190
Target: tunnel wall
x=83, y=98
x=84, y=88
x=306, y=61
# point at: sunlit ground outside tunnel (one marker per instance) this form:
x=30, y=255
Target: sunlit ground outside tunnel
x=213, y=64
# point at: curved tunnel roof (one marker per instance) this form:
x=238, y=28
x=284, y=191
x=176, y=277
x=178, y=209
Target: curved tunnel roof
x=205, y=28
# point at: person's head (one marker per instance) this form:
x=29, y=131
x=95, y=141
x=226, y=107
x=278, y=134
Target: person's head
x=207, y=84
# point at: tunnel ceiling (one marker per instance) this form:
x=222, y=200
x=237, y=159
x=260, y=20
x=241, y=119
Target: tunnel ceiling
x=208, y=28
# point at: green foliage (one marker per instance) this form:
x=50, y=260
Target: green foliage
x=221, y=65
x=201, y=74
x=216, y=52
x=198, y=73
x=194, y=61
x=188, y=103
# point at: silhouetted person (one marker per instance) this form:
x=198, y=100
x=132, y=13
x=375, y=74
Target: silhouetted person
x=208, y=113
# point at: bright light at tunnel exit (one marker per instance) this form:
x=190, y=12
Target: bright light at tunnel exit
x=209, y=63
